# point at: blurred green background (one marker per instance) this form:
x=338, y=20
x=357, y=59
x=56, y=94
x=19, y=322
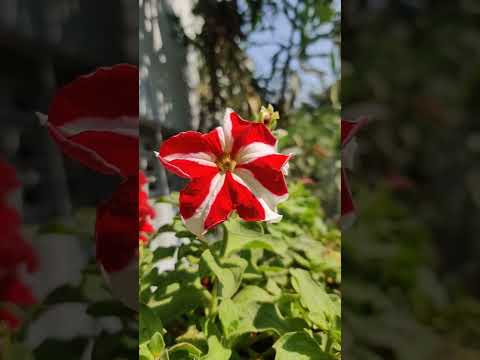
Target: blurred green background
x=411, y=263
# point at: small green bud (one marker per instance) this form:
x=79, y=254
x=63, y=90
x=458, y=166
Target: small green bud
x=269, y=116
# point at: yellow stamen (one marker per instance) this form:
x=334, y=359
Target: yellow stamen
x=225, y=163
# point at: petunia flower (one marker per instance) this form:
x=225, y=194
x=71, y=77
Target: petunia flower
x=116, y=239
x=348, y=144
x=94, y=120
x=145, y=210
x=15, y=253
x=13, y=291
x=235, y=167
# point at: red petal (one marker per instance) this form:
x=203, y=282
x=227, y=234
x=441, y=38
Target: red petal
x=194, y=194
x=14, y=291
x=251, y=133
x=205, y=202
x=244, y=132
x=347, y=201
x=95, y=120
x=350, y=128
x=190, y=169
x=11, y=321
x=107, y=93
x=268, y=171
x=245, y=202
x=8, y=179
x=14, y=250
x=214, y=140
x=188, y=142
x=189, y=154
x=117, y=227
x=222, y=206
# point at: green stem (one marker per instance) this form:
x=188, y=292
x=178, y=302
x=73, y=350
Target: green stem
x=224, y=240
x=213, y=302
x=212, y=310
x=329, y=344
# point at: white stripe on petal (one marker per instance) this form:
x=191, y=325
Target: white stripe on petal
x=196, y=223
x=270, y=214
x=259, y=190
x=96, y=156
x=286, y=167
x=123, y=125
x=201, y=158
x=253, y=151
x=221, y=137
x=227, y=130
x=348, y=154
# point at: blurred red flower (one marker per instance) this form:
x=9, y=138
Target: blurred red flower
x=94, y=120
x=348, y=131
x=15, y=252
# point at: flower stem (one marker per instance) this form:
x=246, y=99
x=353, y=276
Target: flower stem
x=213, y=302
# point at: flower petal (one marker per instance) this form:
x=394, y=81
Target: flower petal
x=350, y=128
x=347, y=202
x=254, y=151
x=189, y=154
x=268, y=171
x=8, y=318
x=260, y=191
x=15, y=292
x=216, y=141
x=117, y=227
x=249, y=202
x=245, y=202
x=94, y=119
x=8, y=179
x=205, y=202
x=239, y=133
x=14, y=250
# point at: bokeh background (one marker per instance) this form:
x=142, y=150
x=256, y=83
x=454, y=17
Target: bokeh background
x=411, y=262
x=45, y=45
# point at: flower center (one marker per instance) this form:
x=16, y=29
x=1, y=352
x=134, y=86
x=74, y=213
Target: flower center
x=225, y=163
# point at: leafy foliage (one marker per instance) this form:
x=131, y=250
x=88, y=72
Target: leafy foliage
x=248, y=291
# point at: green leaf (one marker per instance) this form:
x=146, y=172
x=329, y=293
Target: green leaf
x=184, y=351
x=195, y=337
x=178, y=302
x=229, y=274
x=216, y=350
x=150, y=323
x=242, y=318
x=253, y=293
x=156, y=345
x=323, y=310
x=144, y=353
x=243, y=236
x=299, y=346
x=63, y=294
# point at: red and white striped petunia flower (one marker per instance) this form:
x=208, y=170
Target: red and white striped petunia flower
x=235, y=167
x=348, y=144
x=117, y=239
x=94, y=120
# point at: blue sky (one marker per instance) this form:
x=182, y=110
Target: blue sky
x=262, y=55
